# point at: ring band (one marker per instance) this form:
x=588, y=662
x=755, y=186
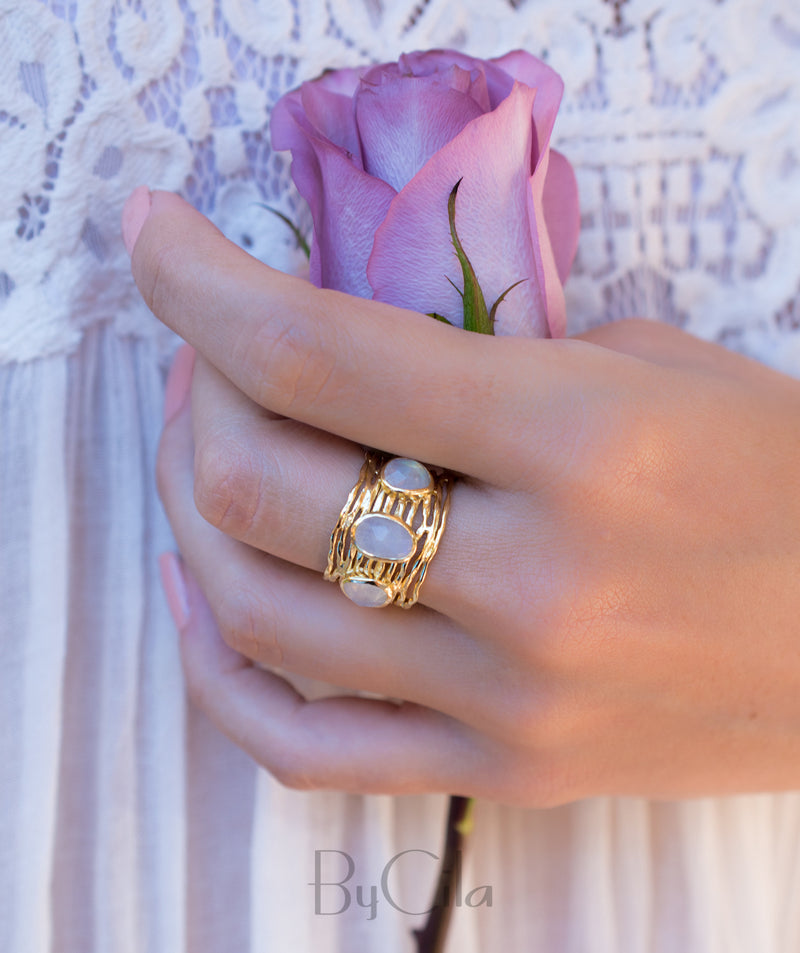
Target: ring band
x=388, y=531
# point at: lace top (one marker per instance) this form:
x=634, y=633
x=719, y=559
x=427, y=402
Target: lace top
x=681, y=123
x=126, y=822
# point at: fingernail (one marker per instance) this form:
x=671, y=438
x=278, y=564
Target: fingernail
x=174, y=583
x=179, y=380
x=134, y=212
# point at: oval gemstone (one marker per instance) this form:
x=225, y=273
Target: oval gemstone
x=365, y=593
x=404, y=474
x=384, y=538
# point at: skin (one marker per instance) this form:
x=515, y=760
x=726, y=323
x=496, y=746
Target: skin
x=614, y=605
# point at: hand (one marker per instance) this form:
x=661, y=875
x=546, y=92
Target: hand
x=614, y=605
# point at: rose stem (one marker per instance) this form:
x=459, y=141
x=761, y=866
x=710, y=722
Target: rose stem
x=431, y=937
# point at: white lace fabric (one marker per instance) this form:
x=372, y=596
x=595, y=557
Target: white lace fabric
x=126, y=822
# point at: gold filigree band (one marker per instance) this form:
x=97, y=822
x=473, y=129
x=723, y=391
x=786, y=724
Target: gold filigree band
x=388, y=531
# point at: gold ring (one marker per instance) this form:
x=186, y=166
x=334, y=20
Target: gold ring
x=388, y=531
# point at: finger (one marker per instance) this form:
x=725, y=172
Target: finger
x=284, y=616
x=372, y=373
x=665, y=345
x=268, y=482
x=279, y=486
x=348, y=744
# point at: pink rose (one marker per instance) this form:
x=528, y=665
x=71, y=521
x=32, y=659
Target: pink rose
x=376, y=152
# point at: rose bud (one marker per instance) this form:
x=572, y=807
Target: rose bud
x=376, y=153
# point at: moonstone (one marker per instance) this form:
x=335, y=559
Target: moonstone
x=365, y=593
x=404, y=474
x=384, y=538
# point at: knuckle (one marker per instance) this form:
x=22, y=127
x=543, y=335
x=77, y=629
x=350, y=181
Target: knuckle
x=247, y=624
x=292, y=769
x=580, y=619
x=306, y=756
x=642, y=462
x=617, y=458
x=227, y=485
x=586, y=623
x=298, y=370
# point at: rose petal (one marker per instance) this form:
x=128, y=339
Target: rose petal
x=347, y=205
x=524, y=68
x=561, y=212
x=344, y=81
x=428, y=62
x=413, y=255
x=403, y=121
x=500, y=74
x=442, y=62
x=346, y=212
x=315, y=109
x=332, y=117
x=547, y=276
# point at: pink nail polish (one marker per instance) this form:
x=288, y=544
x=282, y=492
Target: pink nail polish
x=134, y=213
x=179, y=380
x=174, y=583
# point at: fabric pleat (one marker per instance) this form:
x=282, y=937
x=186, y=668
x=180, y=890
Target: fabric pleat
x=130, y=825
x=34, y=649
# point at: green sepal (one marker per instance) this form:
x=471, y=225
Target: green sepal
x=302, y=244
x=476, y=314
x=460, y=292
x=440, y=317
x=493, y=312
